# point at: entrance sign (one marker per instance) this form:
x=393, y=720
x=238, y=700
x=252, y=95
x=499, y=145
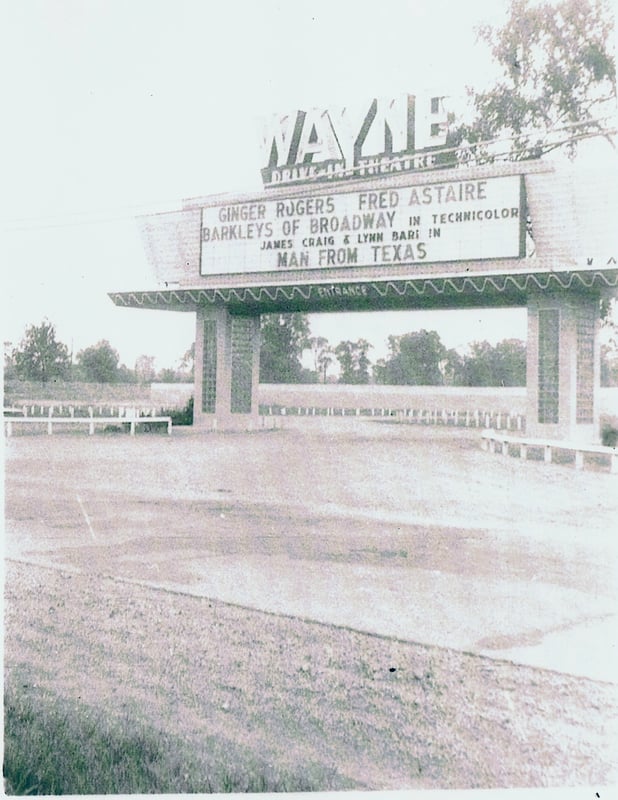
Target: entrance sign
x=354, y=142
x=438, y=222
x=392, y=237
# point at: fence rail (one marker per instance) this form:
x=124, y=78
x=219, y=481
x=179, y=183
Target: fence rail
x=91, y=421
x=492, y=439
x=478, y=418
x=57, y=409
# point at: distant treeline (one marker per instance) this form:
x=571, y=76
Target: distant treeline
x=418, y=358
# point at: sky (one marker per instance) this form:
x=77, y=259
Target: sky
x=118, y=108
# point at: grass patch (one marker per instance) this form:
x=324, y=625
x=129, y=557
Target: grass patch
x=53, y=747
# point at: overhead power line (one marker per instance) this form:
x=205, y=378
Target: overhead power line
x=476, y=152
x=90, y=217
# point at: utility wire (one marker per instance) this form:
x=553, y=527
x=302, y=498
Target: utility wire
x=476, y=152
x=77, y=218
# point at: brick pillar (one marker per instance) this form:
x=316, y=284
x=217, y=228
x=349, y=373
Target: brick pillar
x=227, y=362
x=563, y=367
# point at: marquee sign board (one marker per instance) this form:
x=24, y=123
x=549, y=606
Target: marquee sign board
x=409, y=225
x=376, y=138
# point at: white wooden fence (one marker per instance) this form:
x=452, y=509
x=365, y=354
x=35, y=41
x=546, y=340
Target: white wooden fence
x=133, y=418
x=492, y=440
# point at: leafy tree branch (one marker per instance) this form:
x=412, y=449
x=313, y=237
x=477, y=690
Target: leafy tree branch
x=558, y=82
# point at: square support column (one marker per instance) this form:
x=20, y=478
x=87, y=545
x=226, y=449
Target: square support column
x=563, y=367
x=227, y=365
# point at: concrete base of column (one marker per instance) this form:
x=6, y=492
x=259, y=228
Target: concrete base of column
x=232, y=423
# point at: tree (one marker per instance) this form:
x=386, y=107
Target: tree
x=183, y=372
x=284, y=339
x=415, y=359
x=167, y=375
x=187, y=363
x=609, y=342
x=353, y=361
x=322, y=355
x=557, y=72
x=125, y=375
x=502, y=365
x=9, y=362
x=450, y=367
x=99, y=363
x=144, y=369
x=40, y=356
x=609, y=364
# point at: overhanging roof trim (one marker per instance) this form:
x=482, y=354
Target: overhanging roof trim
x=491, y=285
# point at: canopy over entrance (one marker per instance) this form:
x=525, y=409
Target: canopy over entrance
x=504, y=234
x=463, y=291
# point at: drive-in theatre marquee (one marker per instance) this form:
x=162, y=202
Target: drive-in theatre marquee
x=450, y=221
x=366, y=208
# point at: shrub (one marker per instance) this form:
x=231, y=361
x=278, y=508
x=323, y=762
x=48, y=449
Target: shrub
x=183, y=416
x=609, y=435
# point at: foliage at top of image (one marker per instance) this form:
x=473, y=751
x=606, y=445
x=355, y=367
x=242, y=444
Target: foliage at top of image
x=558, y=82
